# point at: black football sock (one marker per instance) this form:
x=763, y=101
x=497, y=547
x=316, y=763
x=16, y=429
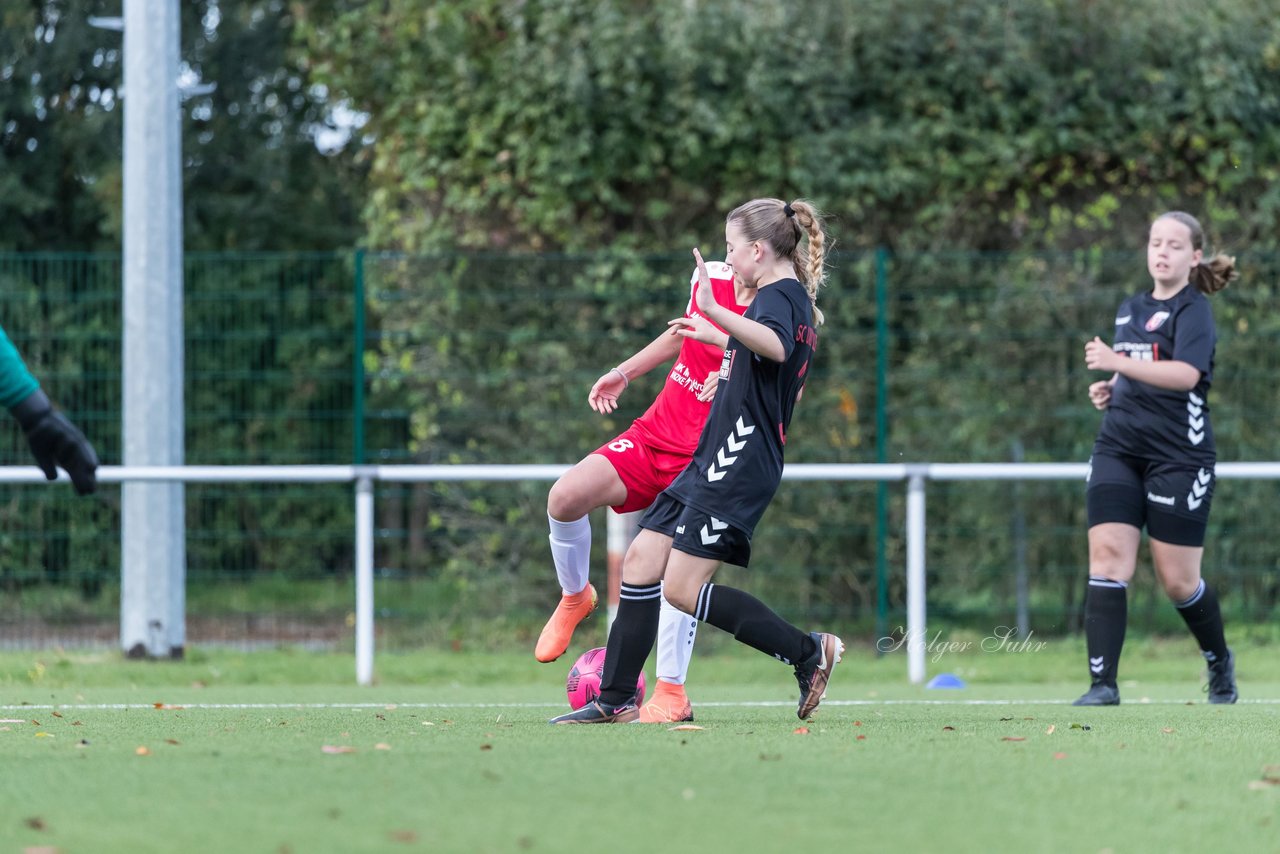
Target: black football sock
x=1106, y=612
x=1202, y=615
x=635, y=628
x=752, y=622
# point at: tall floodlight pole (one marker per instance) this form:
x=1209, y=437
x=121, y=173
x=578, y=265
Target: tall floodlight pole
x=153, y=526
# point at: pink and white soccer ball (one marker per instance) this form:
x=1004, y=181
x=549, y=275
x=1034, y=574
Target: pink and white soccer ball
x=583, y=684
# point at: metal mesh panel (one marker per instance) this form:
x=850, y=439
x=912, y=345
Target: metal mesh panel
x=488, y=358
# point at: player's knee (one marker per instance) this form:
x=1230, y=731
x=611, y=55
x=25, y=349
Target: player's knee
x=1111, y=560
x=682, y=597
x=563, y=503
x=1180, y=589
x=642, y=568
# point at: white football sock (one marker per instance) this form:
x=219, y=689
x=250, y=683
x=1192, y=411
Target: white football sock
x=676, y=633
x=571, y=551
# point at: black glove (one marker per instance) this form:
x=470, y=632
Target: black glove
x=56, y=441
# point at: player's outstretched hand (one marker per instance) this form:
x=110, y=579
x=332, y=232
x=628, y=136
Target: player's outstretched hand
x=55, y=441
x=698, y=328
x=704, y=299
x=603, y=397
x=709, y=386
x=1098, y=356
x=1100, y=394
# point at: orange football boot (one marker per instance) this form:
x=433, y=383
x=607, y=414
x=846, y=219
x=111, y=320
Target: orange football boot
x=668, y=705
x=558, y=631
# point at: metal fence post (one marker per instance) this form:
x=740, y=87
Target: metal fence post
x=153, y=559
x=364, y=578
x=916, y=628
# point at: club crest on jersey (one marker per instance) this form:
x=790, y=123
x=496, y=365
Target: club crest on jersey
x=1157, y=320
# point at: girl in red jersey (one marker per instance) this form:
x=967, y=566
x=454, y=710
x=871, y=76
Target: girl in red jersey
x=628, y=472
x=708, y=514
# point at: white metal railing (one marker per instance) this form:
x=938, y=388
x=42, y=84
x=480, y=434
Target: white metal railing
x=915, y=474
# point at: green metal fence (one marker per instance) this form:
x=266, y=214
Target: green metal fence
x=378, y=357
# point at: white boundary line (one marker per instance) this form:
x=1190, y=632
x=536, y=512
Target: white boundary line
x=391, y=706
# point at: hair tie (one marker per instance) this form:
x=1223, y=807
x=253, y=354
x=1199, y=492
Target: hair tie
x=788, y=210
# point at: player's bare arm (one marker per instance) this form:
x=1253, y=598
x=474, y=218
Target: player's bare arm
x=1172, y=374
x=757, y=337
x=604, y=394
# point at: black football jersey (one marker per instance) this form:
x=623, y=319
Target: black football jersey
x=738, y=463
x=1159, y=423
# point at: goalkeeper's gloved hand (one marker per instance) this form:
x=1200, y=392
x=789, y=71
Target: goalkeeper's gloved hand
x=55, y=441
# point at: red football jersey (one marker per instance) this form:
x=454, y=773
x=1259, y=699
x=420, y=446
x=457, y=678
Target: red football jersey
x=675, y=420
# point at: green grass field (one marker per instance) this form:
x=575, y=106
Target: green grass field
x=281, y=752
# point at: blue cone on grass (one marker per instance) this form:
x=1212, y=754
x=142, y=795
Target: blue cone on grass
x=946, y=680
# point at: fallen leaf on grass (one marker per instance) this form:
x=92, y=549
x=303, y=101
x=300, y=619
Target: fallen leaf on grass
x=35, y=823
x=44, y=735
x=486, y=747
x=1081, y=726
x=56, y=714
x=337, y=748
x=406, y=836
x=685, y=728
x=800, y=730
x=382, y=745
x=1270, y=778
x=1051, y=728
x=1166, y=729
x=143, y=751
x=948, y=729
x=1005, y=719
x=1013, y=738
x=171, y=741
x=861, y=738
x=167, y=707
x=1059, y=756
x=857, y=723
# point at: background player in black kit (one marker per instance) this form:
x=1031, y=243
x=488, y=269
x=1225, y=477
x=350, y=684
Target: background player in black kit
x=709, y=512
x=1154, y=456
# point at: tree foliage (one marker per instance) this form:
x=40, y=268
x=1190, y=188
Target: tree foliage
x=547, y=125
x=253, y=176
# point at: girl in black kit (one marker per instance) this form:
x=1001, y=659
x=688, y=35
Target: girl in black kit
x=709, y=512
x=1154, y=456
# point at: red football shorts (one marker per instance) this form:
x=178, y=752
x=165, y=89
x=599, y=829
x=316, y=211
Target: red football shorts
x=644, y=470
